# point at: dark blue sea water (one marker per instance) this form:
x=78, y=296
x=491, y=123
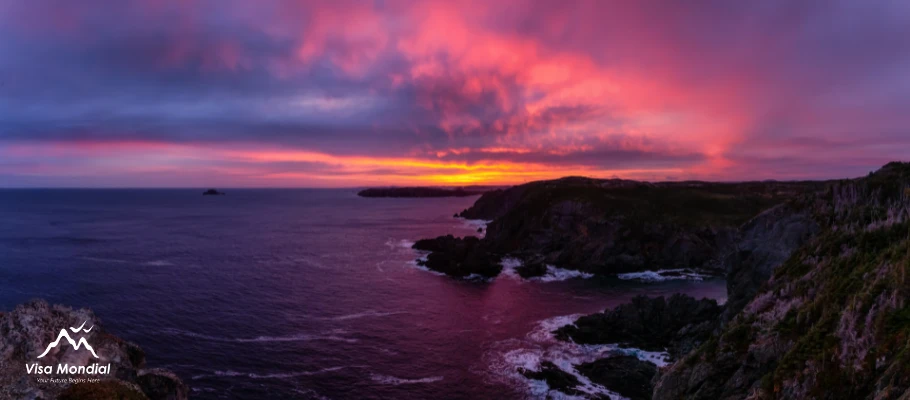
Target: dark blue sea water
x=294, y=293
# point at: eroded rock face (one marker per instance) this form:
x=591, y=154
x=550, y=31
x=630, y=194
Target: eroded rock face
x=616, y=226
x=766, y=242
x=674, y=324
x=27, y=330
x=833, y=319
x=459, y=257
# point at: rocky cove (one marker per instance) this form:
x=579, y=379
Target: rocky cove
x=816, y=282
x=816, y=303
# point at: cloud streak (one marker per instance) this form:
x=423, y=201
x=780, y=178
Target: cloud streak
x=345, y=93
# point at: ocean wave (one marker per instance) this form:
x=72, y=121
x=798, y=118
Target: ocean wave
x=663, y=275
x=310, y=393
x=366, y=314
x=658, y=358
x=508, y=267
x=105, y=260
x=478, y=278
x=394, y=380
x=253, y=375
x=399, y=244
x=264, y=339
x=158, y=263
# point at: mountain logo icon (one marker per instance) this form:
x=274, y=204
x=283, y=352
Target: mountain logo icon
x=76, y=345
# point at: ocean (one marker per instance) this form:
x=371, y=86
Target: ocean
x=298, y=293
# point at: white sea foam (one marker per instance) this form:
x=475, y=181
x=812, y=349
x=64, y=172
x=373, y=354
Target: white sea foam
x=473, y=224
x=310, y=393
x=544, y=330
x=399, y=244
x=394, y=380
x=658, y=358
x=105, y=260
x=506, y=358
x=662, y=275
x=508, y=267
x=366, y=314
x=553, y=274
x=159, y=263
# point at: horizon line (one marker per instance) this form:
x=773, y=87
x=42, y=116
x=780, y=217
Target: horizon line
x=387, y=186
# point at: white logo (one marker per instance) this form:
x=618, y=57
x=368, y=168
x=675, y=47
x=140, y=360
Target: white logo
x=76, y=345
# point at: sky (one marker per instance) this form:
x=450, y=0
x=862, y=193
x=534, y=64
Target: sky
x=288, y=93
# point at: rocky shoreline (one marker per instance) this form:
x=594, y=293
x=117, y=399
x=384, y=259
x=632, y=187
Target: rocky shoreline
x=610, y=227
x=27, y=331
x=818, y=297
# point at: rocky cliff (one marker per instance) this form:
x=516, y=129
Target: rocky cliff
x=817, y=308
x=615, y=226
x=818, y=301
x=26, y=332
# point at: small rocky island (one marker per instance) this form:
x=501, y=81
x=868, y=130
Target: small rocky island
x=422, y=192
x=26, y=332
x=212, y=192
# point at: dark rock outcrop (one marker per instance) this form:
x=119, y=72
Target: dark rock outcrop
x=615, y=226
x=765, y=242
x=555, y=378
x=654, y=324
x=626, y=375
x=29, y=328
x=161, y=384
x=212, y=192
x=459, y=257
x=833, y=318
x=531, y=269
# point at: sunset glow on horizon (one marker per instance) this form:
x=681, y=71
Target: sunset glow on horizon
x=285, y=93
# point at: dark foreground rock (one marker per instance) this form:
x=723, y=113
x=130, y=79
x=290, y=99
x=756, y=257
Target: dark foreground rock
x=626, y=375
x=674, y=325
x=27, y=330
x=418, y=192
x=459, y=257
